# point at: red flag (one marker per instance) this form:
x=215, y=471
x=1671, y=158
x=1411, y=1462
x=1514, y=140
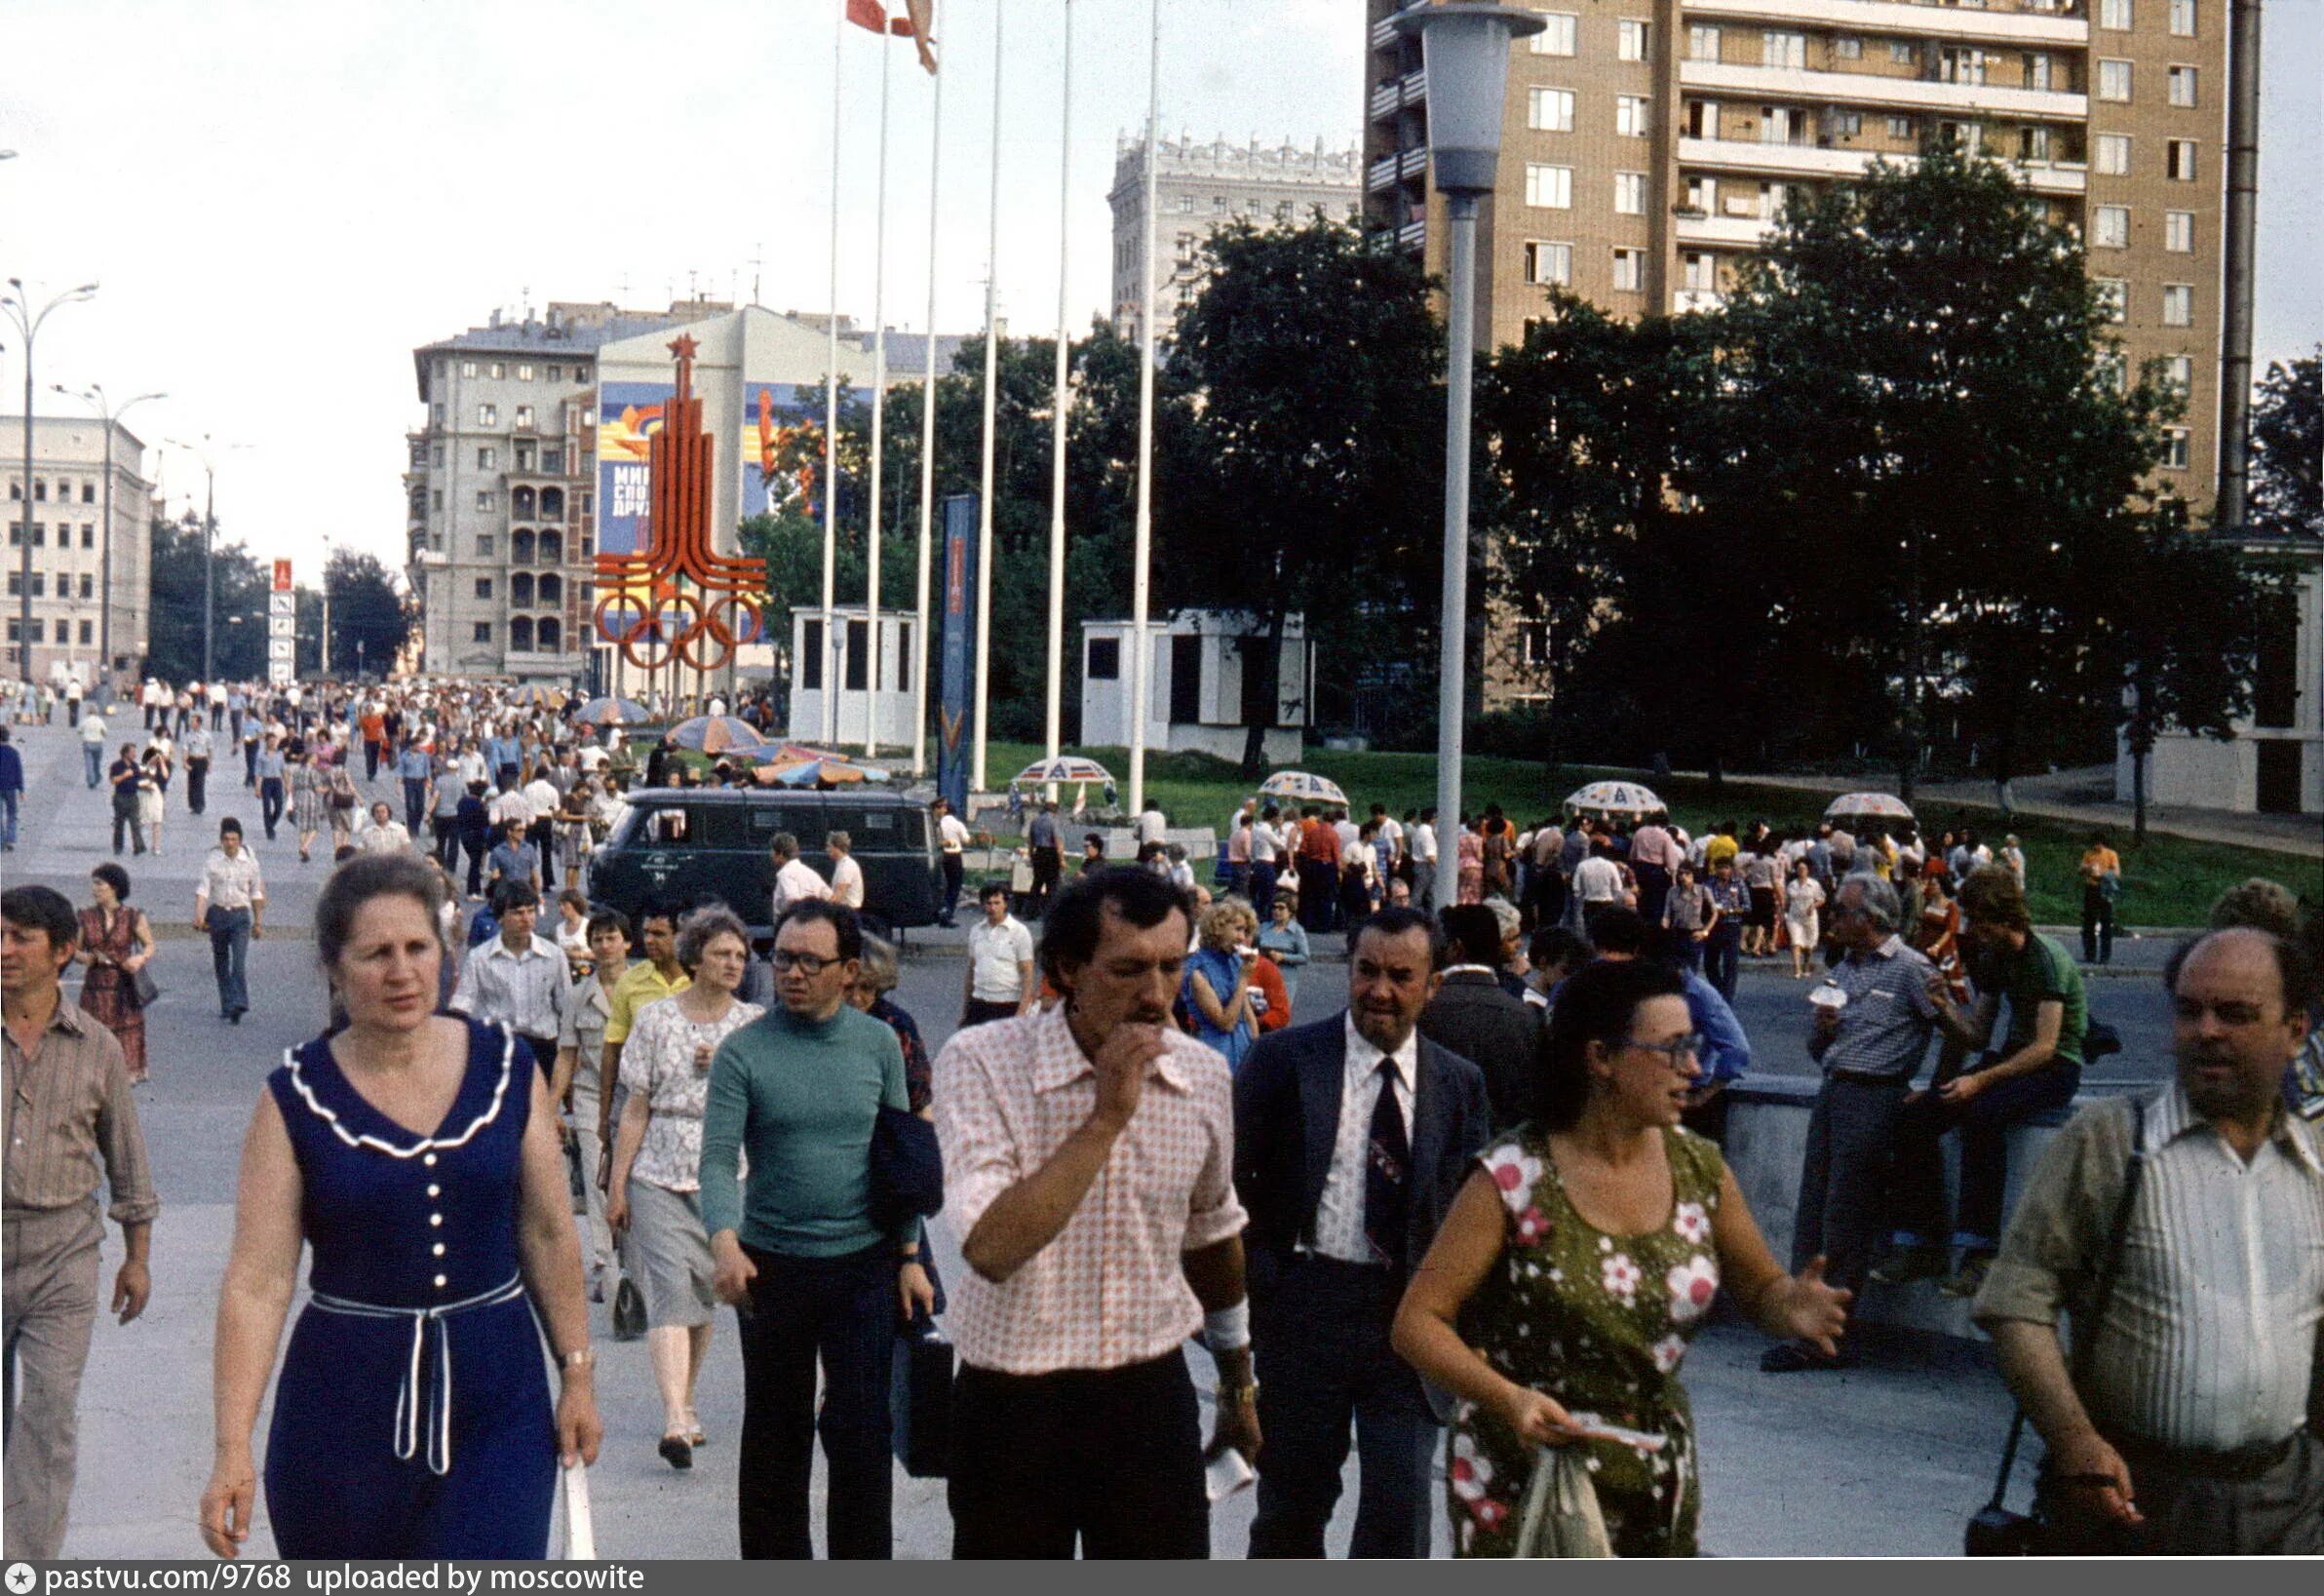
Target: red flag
x=868, y=13
x=914, y=26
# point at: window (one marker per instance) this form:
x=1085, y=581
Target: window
x=1557, y=39
x=525, y=416
x=551, y=591
x=1783, y=48
x=1549, y=110
x=1702, y=43
x=1702, y=195
x=436, y=456
x=553, y=459
x=1105, y=660
x=88, y=586
x=484, y=545
x=520, y=590
x=40, y=535
x=2113, y=371
x=482, y=631
x=436, y=499
x=88, y=534
x=89, y=492
x=2113, y=297
x=499, y=370
x=487, y=500
x=2179, y=231
x=484, y=587
x=1900, y=127
x=1631, y=41
x=1702, y=118
x=1780, y=125
x=40, y=584
x=40, y=491
x=1900, y=52
x=487, y=416
x=2178, y=304
x=468, y=367
x=2040, y=70
x=1846, y=47
x=1185, y=204
x=859, y=656
x=1845, y=124
x=523, y=461
x=1630, y=115
x=524, y=371
x=2114, y=80
x=488, y=460
x=2113, y=155
x=2115, y=14
x=1218, y=203
x=2182, y=19
x=88, y=630
x=2183, y=86
x=1547, y=263
x=2034, y=143
x=1630, y=193
x=2174, y=449
x=553, y=373
x=1630, y=271
x=1549, y=187
x=2179, y=373
x=2179, y=160
x=2111, y=227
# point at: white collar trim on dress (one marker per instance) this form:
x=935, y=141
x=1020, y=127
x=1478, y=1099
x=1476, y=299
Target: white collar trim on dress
x=508, y=1052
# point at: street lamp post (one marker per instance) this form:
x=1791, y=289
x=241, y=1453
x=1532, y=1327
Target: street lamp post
x=204, y=451
x=96, y=395
x=19, y=304
x=1464, y=51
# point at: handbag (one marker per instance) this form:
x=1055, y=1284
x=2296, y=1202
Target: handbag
x=144, y=990
x=906, y=1169
x=1561, y=1516
x=920, y=1399
x=629, y=1312
x=1993, y=1531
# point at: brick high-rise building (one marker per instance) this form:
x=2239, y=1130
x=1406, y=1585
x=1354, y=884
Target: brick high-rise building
x=1649, y=146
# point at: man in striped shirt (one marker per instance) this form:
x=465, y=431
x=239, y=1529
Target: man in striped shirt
x=2188, y=1428
x=517, y=979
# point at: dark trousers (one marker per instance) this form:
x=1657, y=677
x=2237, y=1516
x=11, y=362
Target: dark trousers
x=1983, y=1127
x=476, y=864
x=1844, y=1179
x=1317, y=880
x=270, y=803
x=443, y=833
x=93, y=760
x=1046, y=869
x=371, y=752
x=1654, y=887
x=416, y=802
x=1723, y=956
x=980, y=1010
x=2273, y=1511
x=541, y=835
x=842, y=1311
x=250, y=764
x=197, y=784
x=1262, y=887
x=1321, y=1338
x=125, y=814
x=953, y=869
x=1110, y=1458
x=229, y=957
x=2098, y=928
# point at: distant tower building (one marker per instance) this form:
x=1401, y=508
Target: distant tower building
x=1201, y=187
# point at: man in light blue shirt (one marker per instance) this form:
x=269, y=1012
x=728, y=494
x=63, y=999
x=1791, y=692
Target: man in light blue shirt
x=413, y=767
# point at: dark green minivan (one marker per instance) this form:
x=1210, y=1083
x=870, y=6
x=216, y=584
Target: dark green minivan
x=687, y=845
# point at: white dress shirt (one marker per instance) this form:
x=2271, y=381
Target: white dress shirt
x=1423, y=843
x=847, y=882
x=796, y=881
x=1340, y=1214
x=951, y=835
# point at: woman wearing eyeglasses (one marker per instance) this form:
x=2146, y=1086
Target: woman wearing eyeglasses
x=1581, y=1257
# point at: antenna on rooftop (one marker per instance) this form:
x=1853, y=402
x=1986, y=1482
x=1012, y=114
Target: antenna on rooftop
x=757, y=264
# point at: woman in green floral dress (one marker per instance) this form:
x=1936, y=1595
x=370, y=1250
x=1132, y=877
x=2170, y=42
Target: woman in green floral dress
x=1580, y=1260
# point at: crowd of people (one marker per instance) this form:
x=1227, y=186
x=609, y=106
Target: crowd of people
x=1472, y=1205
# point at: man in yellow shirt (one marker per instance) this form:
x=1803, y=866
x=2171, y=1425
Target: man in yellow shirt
x=2102, y=884
x=1721, y=844
x=658, y=975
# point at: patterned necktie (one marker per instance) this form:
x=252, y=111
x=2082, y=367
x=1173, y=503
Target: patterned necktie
x=1387, y=1164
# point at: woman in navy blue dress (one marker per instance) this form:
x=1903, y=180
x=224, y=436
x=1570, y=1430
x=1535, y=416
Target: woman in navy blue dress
x=419, y=1156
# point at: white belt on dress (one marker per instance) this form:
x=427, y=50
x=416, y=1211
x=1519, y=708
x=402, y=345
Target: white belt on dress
x=439, y=1397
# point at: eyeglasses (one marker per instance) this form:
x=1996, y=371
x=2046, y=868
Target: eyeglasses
x=1674, y=1051
x=807, y=964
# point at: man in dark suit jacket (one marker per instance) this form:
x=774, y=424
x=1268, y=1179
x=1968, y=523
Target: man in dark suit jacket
x=1352, y=1135
x=1473, y=1017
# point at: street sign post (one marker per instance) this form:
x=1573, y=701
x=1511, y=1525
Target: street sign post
x=282, y=628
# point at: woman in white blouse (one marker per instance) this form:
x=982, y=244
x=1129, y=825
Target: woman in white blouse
x=657, y=1160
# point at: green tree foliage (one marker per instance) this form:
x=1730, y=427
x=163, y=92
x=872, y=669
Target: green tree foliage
x=370, y=618
x=2287, y=437
x=173, y=629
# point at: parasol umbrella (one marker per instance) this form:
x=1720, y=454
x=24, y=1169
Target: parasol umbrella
x=535, y=696
x=1063, y=769
x=716, y=734
x=802, y=764
x=613, y=711
x=1302, y=787
x=1885, y=809
x=1615, y=800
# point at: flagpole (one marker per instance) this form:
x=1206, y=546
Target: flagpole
x=1143, y=553
x=991, y=382
x=830, y=423
x=919, y=658
x=1058, y=405
x=879, y=396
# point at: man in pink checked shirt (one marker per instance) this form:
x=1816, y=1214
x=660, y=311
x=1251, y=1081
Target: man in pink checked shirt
x=1089, y=1158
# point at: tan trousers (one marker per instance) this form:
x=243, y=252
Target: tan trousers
x=51, y=1276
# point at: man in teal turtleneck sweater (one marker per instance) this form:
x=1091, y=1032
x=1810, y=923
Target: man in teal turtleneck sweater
x=810, y=1275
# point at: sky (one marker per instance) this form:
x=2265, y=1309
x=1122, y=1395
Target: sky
x=281, y=199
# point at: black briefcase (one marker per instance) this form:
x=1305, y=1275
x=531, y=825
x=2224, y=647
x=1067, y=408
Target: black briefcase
x=920, y=1400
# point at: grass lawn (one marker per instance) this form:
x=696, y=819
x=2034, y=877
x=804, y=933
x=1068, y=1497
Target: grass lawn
x=2170, y=881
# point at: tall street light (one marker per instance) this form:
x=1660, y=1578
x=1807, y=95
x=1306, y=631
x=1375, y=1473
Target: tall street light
x=19, y=304
x=95, y=396
x=206, y=452
x=1464, y=51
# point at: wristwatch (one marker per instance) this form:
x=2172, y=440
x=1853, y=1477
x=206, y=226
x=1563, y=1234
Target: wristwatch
x=1240, y=1391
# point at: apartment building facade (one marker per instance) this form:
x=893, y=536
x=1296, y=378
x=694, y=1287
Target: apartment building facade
x=72, y=544
x=1201, y=187
x=1649, y=145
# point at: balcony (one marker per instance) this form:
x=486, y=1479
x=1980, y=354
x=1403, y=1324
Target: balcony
x=2064, y=26
x=1730, y=232
x=1382, y=174
x=1389, y=97
x=1688, y=300
x=2054, y=177
x=1413, y=235
x=1872, y=92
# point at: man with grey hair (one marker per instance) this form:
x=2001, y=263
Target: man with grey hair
x=796, y=880
x=1872, y=1022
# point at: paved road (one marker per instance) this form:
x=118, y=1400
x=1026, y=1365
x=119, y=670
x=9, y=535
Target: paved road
x=1886, y=1458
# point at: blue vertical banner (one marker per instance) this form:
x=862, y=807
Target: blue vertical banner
x=956, y=683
